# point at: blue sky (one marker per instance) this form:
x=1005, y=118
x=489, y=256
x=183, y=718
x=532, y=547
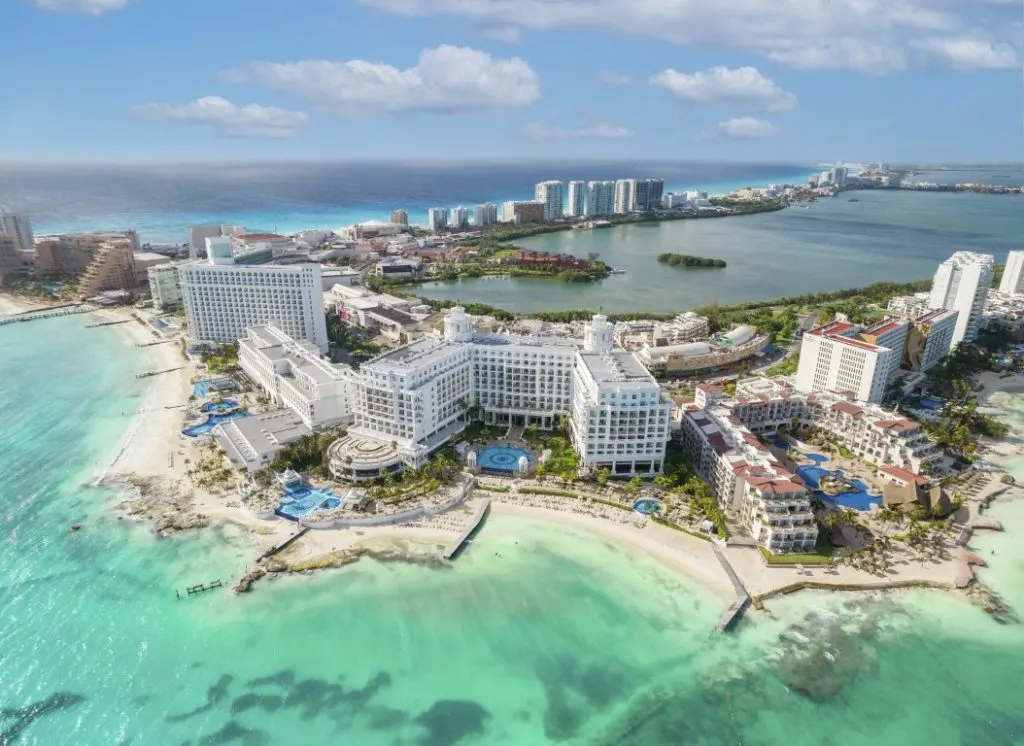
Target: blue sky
x=765, y=80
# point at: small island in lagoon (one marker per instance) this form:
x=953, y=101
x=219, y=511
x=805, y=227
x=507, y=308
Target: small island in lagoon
x=687, y=261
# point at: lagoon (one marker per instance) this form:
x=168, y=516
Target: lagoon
x=833, y=244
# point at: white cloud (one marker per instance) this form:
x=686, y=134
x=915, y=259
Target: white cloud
x=92, y=7
x=746, y=128
x=251, y=120
x=610, y=77
x=968, y=54
x=507, y=34
x=445, y=80
x=720, y=86
x=869, y=36
x=593, y=132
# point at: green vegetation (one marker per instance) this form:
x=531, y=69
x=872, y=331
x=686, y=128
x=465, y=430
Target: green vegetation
x=220, y=359
x=491, y=488
x=544, y=491
x=307, y=454
x=690, y=262
x=794, y=559
x=677, y=527
x=787, y=367
x=350, y=340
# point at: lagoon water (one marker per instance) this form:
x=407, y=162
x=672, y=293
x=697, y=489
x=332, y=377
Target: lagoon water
x=833, y=244
x=535, y=636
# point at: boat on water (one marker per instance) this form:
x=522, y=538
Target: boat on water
x=618, y=271
x=853, y=199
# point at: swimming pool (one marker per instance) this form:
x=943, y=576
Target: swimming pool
x=858, y=498
x=504, y=459
x=219, y=406
x=205, y=388
x=296, y=503
x=647, y=506
x=212, y=421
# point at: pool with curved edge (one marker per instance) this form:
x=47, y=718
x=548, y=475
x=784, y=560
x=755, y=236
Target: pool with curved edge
x=647, y=506
x=503, y=459
x=211, y=422
x=858, y=498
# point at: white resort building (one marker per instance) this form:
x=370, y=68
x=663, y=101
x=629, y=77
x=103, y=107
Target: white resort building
x=836, y=357
x=410, y=401
x=961, y=284
x=293, y=373
x=222, y=299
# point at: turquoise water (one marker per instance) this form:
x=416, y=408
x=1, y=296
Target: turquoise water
x=502, y=458
x=194, y=431
x=536, y=636
x=297, y=502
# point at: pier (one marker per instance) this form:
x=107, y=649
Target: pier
x=33, y=316
x=147, y=374
x=282, y=546
x=153, y=344
x=107, y=323
x=478, y=517
x=194, y=590
x=735, y=611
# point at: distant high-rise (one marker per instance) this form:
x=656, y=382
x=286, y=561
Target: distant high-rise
x=550, y=193
x=600, y=198
x=459, y=217
x=485, y=214
x=839, y=175
x=655, y=191
x=18, y=227
x=641, y=196
x=437, y=218
x=399, y=217
x=576, y=200
x=197, y=236
x=961, y=284
x=624, y=196
x=1013, y=274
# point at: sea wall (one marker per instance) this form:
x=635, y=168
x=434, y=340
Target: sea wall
x=465, y=491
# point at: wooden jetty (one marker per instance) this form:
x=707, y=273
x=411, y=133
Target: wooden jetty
x=283, y=545
x=478, y=518
x=147, y=374
x=153, y=344
x=35, y=316
x=735, y=611
x=193, y=590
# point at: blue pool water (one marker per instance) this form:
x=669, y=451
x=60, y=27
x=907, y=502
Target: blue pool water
x=52, y=287
x=779, y=442
x=858, y=499
x=817, y=458
x=158, y=324
x=295, y=503
x=205, y=388
x=194, y=431
x=219, y=406
x=647, y=506
x=503, y=459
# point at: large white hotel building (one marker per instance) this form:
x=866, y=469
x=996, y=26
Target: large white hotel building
x=222, y=299
x=419, y=395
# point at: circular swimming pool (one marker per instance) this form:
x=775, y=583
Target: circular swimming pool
x=504, y=459
x=647, y=506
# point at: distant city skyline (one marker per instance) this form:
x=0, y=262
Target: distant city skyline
x=866, y=80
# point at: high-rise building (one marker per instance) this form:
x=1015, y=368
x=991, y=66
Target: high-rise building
x=961, y=284
x=655, y=191
x=576, y=199
x=1013, y=274
x=485, y=214
x=197, y=236
x=530, y=212
x=929, y=339
x=600, y=198
x=437, y=218
x=640, y=196
x=623, y=196
x=832, y=358
x=112, y=268
x=17, y=227
x=222, y=299
x=550, y=193
x=459, y=217
x=399, y=217
x=839, y=175
x=14, y=263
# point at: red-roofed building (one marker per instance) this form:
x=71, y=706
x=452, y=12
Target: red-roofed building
x=845, y=357
x=903, y=478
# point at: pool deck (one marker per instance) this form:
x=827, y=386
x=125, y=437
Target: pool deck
x=453, y=548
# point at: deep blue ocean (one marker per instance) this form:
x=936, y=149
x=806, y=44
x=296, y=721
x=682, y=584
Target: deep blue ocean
x=161, y=201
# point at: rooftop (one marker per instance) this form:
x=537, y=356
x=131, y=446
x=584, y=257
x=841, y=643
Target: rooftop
x=618, y=367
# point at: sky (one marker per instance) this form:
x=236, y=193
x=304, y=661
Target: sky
x=744, y=80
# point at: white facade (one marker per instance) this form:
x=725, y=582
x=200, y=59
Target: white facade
x=930, y=339
x=832, y=360
x=223, y=299
x=419, y=395
x=1012, y=282
x=459, y=217
x=485, y=214
x=961, y=284
x=437, y=218
x=293, y=374
x=165, y=286
x=18, y=227
x=623, y=196
x=575, y=204
x=550, y=193
x=197, y=236
x=600, y=198
x=908, y=306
